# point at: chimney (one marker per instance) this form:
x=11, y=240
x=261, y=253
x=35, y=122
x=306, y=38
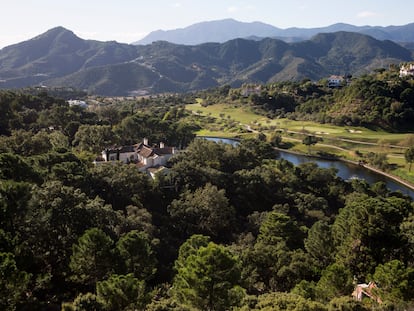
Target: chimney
x=145, y=141
x=162, y=145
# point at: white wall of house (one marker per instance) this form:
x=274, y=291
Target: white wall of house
x=128, y=157
x=158, y=160
x=124, y=157
x=143, y=160
x=334, y=82
x=111, y=156
x=407, y=70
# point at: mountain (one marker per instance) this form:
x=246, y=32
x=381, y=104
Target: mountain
x=224, y=30
x=213, y=31
x=59, y=58
x=56, y=53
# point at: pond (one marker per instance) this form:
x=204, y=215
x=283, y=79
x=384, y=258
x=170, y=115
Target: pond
x=345, y=170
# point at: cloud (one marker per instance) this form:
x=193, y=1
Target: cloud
x=368, y=14
x=177, y=5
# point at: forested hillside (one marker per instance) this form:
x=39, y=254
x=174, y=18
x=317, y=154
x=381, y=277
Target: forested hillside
x=227, y=228
x=380, y=100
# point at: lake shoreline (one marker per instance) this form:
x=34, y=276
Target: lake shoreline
x=327, y=158
x=373, y=169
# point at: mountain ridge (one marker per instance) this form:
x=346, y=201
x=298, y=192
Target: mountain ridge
x=228, y=29
x=60, y=58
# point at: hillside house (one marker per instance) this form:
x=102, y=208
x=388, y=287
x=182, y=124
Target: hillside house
x=335, y=81
x=142, y=154
x=77, y=102
x=407, y=70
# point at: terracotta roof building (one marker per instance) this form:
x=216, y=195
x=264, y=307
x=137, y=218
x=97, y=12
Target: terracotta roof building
x=142, y=154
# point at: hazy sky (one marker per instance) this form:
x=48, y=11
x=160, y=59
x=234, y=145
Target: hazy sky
x=130, y=20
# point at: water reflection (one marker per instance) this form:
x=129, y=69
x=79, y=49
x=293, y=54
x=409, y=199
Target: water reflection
x=348, y=171
x=345, y=170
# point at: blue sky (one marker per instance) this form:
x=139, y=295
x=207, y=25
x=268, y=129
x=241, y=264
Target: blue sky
x=130, y=20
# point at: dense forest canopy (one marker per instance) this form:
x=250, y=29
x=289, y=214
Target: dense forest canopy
x=227, y=228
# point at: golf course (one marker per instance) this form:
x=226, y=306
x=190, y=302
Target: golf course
x=351, y=143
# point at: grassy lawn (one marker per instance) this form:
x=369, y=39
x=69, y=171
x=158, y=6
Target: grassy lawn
x=405, y=174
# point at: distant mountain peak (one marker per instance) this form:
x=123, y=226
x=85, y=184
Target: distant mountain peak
x=56, y=31
x=57, y=36
x=210, y=31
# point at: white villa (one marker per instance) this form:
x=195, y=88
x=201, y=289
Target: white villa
x=142, y=154
x=77, y=102
x=407, y=70
x=335, y=81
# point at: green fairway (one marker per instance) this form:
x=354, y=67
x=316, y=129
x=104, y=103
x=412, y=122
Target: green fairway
x=206, y=132
x=245, y=116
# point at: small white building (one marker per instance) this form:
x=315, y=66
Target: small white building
x=77, y=102
x=407, y=70
x=335, y=81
